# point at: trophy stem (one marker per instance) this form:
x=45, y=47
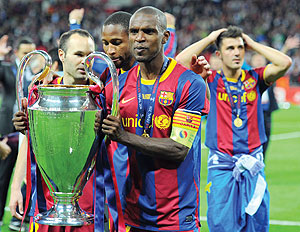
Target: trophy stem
x=65, y=212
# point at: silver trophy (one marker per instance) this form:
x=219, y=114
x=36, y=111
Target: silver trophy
x=61, y=123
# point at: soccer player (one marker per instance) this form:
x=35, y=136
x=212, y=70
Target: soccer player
x=161, y=103
x=237, y=195
x=114, y=36
x=74, y=46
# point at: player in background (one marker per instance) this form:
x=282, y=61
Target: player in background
x=237, y=194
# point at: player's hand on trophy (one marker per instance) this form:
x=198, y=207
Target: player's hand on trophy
x=98, y=121
x=200, y=66
x=20, y=119
x=5, y=149
x=112, y=127
x=16, y=199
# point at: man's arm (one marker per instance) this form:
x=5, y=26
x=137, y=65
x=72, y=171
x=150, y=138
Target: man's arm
x=164, y=148
x=280, y=62
x=16, y=197
x=75, y=18
x=185, y=57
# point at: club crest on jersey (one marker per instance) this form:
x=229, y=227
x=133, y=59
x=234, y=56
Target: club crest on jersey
x=250, y=83
x=162, y=121
x=166, y=98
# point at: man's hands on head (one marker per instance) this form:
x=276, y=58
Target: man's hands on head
x=249, y=43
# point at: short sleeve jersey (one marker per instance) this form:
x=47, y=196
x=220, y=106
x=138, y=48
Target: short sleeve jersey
x=221, y=133
x=160, y=194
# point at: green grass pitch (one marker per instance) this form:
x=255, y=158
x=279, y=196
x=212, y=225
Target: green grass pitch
x=282, y=172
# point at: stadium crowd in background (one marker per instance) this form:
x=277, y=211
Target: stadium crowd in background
x=269, y=22
x=272, y=24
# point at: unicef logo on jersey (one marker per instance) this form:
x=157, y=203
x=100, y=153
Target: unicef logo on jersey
x=183, y=134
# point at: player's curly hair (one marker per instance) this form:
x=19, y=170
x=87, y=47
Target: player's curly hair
x=231, y=32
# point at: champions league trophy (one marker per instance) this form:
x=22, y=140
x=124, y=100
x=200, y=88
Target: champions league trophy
x=61, y=123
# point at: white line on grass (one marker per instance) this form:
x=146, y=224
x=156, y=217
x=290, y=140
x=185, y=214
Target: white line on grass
x=291, y=135
x=283, y=136
x=272, y=222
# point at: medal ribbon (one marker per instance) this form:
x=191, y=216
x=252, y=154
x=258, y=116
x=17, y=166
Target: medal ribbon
x=236, y=110
x=150, y=111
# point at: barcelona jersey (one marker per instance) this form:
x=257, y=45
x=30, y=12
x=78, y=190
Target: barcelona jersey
x=161, y=194
x=221, y=132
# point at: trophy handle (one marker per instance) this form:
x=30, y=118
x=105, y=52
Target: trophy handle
x=114, y=76
x=21, y=69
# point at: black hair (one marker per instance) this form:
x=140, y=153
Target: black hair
x=231, y=32
x=54, y=56
x=119, y=18
x=23, y=40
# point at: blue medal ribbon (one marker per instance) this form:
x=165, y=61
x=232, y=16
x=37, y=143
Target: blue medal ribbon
x=146, y=116
x=236, y=110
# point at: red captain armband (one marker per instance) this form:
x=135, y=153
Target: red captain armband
x=185, y=127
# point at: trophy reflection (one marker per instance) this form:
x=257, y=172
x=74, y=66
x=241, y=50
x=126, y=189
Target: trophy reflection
x=61, y=126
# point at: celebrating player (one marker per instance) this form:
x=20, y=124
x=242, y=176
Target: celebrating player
x=238, y=199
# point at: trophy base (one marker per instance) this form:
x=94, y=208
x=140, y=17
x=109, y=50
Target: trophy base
x=62, y=214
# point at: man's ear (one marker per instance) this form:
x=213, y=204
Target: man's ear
x=61, y=55
x=218, y=54
x=166, y=37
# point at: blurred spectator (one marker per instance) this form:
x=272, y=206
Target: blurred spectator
x=8, y=72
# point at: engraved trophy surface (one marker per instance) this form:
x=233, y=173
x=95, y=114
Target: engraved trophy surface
x=61, y=124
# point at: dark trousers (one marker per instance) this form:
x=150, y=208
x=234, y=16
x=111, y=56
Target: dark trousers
x=6, y=168
x=267, y=122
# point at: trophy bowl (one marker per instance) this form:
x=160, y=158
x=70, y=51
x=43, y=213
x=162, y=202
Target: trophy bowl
x=61, y=126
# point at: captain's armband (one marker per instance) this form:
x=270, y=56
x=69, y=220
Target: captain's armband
x=185, y=127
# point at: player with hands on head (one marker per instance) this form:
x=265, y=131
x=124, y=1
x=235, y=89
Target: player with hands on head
x=235, y=131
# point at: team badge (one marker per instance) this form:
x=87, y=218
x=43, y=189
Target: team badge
x=162, y=121
x=250, y=83
x=166, y=98
x=251, y=95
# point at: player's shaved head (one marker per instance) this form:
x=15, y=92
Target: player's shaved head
x=149, y=10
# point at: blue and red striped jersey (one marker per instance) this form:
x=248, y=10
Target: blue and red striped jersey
x=160, y=194
x=221, y=132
